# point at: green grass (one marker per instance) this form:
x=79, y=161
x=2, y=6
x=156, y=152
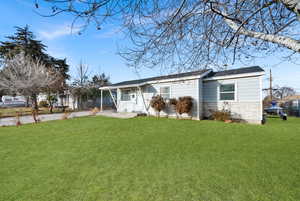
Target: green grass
x=98, y=158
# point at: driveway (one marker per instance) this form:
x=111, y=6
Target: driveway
x=11, y=121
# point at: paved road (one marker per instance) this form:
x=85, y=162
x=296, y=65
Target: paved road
x=11, y=121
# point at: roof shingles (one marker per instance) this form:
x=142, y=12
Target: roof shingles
x=252, y=69
x=172, y=76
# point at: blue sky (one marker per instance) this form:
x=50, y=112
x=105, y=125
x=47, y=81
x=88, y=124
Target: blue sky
x=98, y=48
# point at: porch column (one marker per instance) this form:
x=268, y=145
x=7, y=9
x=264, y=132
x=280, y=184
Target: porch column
x=144, y=102
x=113, y=98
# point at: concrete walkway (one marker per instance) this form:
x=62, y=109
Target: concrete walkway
x=11, y=121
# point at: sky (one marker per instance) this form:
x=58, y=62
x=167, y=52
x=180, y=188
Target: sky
x=98, y=49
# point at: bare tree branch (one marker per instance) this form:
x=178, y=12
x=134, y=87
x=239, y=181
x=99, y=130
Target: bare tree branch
x=181, y=35
x=22, y=75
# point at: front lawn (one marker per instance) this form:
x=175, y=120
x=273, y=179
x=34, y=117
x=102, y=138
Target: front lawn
x=99, y=158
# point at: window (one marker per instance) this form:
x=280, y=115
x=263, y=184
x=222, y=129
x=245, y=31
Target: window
x=227, y=92
x=165, y=92
x=149, y=89
x=125, y=95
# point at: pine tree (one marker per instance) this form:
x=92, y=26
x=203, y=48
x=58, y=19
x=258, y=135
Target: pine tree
x=100, y=80
x=24, y=41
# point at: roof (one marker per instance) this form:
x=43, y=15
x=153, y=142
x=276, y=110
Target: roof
x=172, y=76
x=252, y=69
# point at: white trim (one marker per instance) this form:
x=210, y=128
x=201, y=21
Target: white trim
x=198, y=97
x=181, y=78
x=235, y=92
x=144, y=102
x=235, y=76
x=261, y=97
x=170, y=89
x=101, y=106
x=113, y=98
x=158, y=81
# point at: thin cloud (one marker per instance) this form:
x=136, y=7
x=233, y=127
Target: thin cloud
x=111, y=33
x=58, y=32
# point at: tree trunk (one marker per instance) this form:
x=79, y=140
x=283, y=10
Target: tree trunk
x=50, y=107
x=34, y=102
x=35, y=107
x=27, y=101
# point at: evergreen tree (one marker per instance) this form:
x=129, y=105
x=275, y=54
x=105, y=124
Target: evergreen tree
x=24, y=41
x=100, y=80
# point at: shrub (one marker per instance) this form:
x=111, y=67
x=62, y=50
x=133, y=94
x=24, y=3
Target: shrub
x=43, y=103
x=173, y=101
x=65, y=115
x=95, y=111
x=221, y=115
x=184, y=105
x=18, y=121
x=158, y=103
x=51, y=100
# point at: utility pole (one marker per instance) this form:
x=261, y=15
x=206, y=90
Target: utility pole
x=271, y=88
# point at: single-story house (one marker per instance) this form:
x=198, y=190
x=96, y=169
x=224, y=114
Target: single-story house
x=72, y=102
x=238, y=90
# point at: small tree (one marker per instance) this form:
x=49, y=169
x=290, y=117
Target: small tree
x=51, y=100
x=184, y=105
x=22, y=75
x=158, y=104
x=80, y=85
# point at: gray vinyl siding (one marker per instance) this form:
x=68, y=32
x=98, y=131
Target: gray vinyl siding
x=247, y=89
x=179, y=89
x=247, y=104
x=210, y=91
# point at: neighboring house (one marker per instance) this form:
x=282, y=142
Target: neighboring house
x=238, y=90
x=62, y=100
x=70, y=101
